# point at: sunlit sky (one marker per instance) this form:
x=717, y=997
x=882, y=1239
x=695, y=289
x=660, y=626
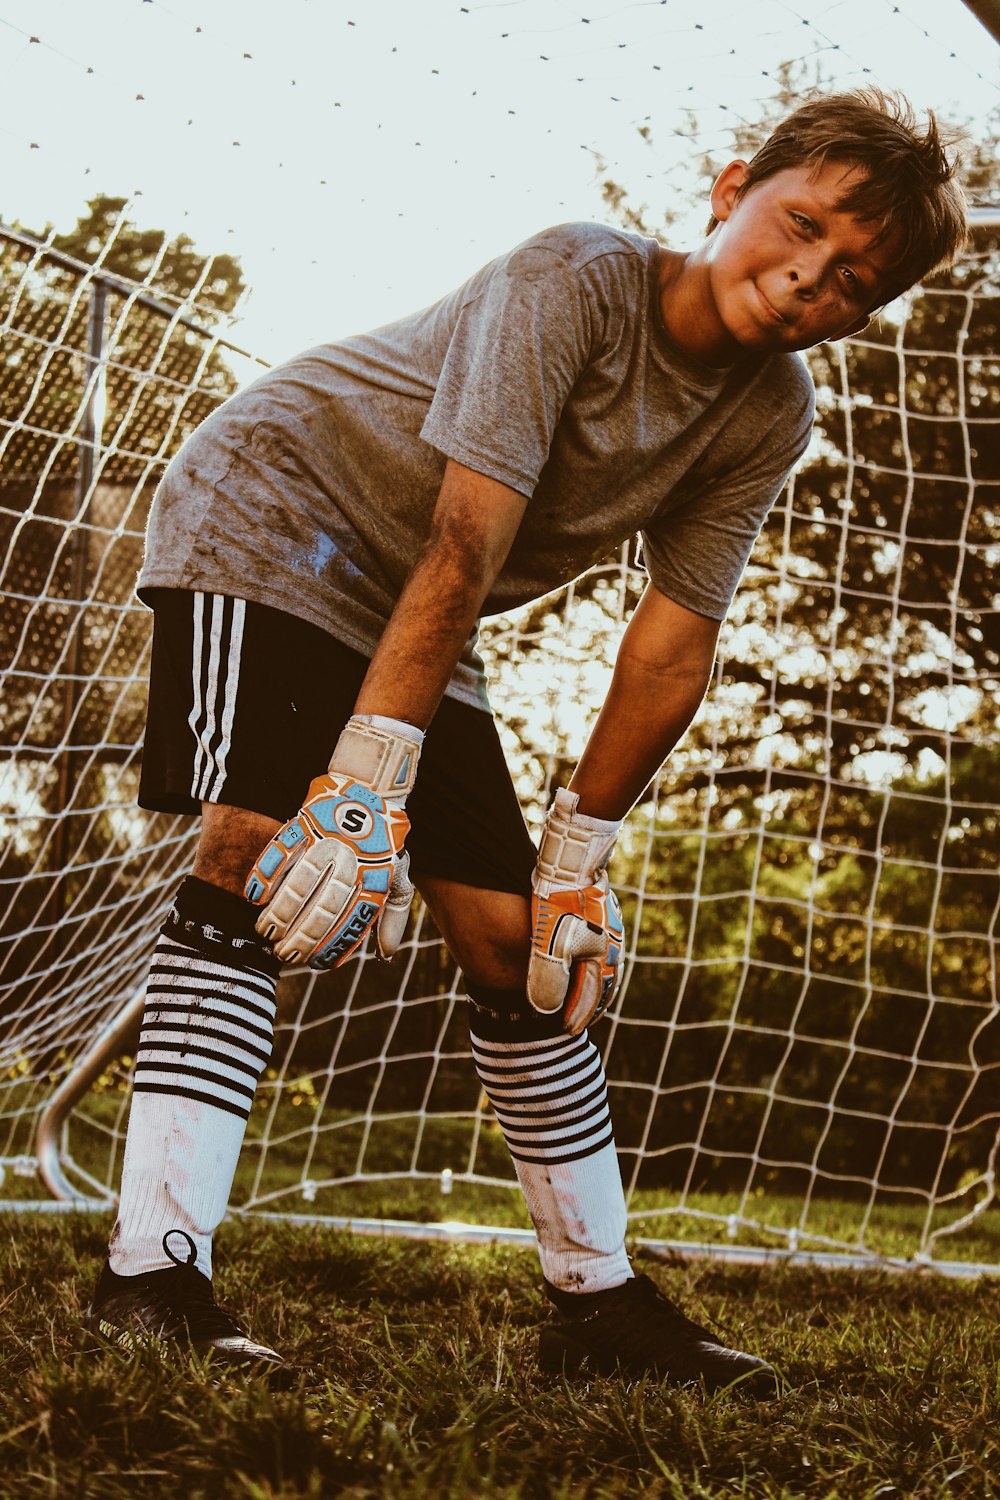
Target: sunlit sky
x=361, y=157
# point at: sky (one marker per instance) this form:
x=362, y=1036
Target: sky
x=361, y=157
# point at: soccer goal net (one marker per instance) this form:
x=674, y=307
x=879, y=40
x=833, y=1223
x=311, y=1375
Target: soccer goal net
x=805, y=1054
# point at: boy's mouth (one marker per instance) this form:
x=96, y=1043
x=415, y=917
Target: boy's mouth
x=769, y=310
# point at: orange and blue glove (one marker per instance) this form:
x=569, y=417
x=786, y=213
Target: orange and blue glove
x=577, y=934
x=338, y=869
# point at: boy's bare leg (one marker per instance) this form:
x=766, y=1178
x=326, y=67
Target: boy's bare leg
x=547, y=1088
x=231, y=839
x=488, y=933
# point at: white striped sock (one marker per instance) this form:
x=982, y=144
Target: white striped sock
x=551, y=1100
x=207, y=1033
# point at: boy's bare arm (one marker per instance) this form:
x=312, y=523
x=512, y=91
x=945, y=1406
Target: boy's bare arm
x=475, y=522
x=664, y=666
x=318, y=898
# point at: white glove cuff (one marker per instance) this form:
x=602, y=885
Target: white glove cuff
x=391, y=726
x=383, y=758
x=574, y=847
x=608, y=828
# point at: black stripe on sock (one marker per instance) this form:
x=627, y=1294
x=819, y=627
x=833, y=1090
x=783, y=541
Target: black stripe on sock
x=205, y=1012
x=573, y=1070
x=548, y=1058
x=186, y=1032
x=515, y=1112
x=183, y=1070
x=186, y=1028
x=183, y=1049
x=192, y=1094
x=557, y=1139
x=202, y=1007
x=582, y=1070
x=552, y=1161
x=529, y=1101
x=193, y=973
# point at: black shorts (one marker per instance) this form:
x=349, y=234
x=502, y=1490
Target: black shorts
x=246, y=704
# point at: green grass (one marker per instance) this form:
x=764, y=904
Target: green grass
x=417, y=1379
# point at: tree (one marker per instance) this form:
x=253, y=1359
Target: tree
x=162, y=375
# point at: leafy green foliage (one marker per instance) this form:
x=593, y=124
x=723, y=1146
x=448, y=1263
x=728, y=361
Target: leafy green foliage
x=174, y=268
x=162, y=376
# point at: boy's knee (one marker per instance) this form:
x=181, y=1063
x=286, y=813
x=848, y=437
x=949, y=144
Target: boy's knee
x=231, y=838
x=497, y=960
x=488, y=933
x=494, y=950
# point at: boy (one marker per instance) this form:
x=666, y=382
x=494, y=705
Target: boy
x=318, y=556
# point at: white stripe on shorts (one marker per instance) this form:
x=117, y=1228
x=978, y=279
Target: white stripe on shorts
x=214, y=685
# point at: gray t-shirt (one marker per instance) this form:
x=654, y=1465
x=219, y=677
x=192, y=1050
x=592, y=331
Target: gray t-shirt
x=312, y=490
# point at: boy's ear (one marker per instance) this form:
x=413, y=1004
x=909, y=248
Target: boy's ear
x=727, y=188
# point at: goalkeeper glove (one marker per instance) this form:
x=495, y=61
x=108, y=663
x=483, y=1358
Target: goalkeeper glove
x=576, y=923
x=339, y=869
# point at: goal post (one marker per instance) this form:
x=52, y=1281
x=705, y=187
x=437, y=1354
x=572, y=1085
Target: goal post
x=805, y=1054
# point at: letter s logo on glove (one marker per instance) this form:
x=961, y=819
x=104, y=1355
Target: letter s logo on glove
x=577, y=931
x=338, y=869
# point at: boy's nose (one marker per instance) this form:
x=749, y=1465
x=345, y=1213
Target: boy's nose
x=807, y=277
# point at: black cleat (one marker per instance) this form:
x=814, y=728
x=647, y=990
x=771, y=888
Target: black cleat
x=635, y=1330
x=176, y=1308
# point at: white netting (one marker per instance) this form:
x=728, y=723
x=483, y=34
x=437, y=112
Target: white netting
x=808, y=1037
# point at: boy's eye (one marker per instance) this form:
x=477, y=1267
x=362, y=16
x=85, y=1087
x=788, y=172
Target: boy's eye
x=851, y=277
x=802, y=222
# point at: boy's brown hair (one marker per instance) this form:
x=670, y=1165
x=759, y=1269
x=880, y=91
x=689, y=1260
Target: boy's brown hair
x=908, y=186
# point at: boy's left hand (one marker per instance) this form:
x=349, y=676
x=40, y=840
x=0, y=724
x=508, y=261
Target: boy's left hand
x=576, y=923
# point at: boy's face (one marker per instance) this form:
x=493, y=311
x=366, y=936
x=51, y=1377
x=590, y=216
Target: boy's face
x=788, y=268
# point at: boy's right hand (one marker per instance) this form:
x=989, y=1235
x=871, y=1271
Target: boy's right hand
x=338, y=869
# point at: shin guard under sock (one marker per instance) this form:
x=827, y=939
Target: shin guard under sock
x=549, y=1094
x=207, y=1033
